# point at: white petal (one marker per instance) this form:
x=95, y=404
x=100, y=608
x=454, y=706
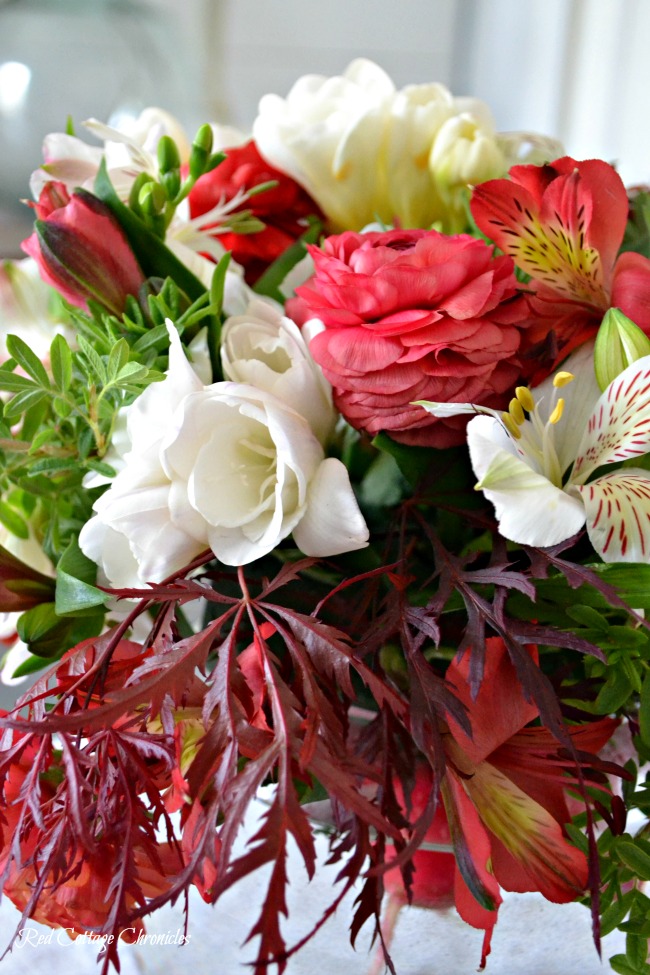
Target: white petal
x=453, y=409
x=333, y=522
x=150, y=416
x=529, y=508
x=579, y=397
x=18, y=654
x=618, y=515
x=619, y=427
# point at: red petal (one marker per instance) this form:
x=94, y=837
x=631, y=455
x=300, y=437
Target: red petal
x=500, y=708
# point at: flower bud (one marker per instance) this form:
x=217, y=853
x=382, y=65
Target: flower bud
x=82, y=252
x=200, y=152
x=168, y=156
x=464, y=152
x=152, y=199
x=619, y=343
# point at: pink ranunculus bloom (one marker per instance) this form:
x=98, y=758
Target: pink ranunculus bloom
x=81, y=250
x=410, y=314
x=563, y=224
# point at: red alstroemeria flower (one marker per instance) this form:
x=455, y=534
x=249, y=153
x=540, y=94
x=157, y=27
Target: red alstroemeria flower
x=505, y=795
x=563, y=224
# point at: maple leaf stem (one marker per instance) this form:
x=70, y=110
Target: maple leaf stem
x=242, y=583
x=388, y=924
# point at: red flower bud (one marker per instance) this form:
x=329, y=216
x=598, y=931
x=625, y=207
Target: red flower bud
x=81, y=250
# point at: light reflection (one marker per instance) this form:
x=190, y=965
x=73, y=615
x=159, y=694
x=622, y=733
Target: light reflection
x=14, y=85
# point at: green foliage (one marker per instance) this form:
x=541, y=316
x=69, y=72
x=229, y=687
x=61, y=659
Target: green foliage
x=637, y=231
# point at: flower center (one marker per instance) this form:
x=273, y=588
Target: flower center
x=535, y=438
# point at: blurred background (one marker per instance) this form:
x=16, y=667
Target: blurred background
x=574, y=69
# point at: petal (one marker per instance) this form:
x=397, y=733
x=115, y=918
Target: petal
x=547, y=861
x=529, y=508
x=619, y=426
x=618, y=515
x=579, y=398
x=473, y=855
x=333, y=522
x=150, y=416
x=631, y=288
x=500, y=708
x=562, y=224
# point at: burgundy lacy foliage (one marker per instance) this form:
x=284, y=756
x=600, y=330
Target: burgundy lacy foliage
x=118, y=736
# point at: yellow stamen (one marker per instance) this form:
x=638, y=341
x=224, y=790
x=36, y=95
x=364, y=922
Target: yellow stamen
x=511, y=426
x=563, y=379
x=517, y=411
x=525, y=397
x=557, y=412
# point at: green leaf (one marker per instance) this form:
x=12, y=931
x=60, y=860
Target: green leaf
x=132, y=372
x=633, y=857
x=622, y=966
x=29, y=666
x=61, y=363
x=47, y=634
x=22, y=402
x=13, y=382
x=62, y=408
x=383, y=484
x=118, y=358
x=614, y=692
x=101, y=468
x=28, y=360
x=154, y=258
x=94, y=360
x=270, y=282
x=413, y=462
x=632, y=580
x=13, y=521
x=614, y=915
x=156, y=338
x=644, y=711
x=588, y=616
x=75, y=575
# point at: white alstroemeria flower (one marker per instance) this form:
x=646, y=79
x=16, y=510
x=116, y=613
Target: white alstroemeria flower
x=266, y=349
x=225, y=466
x=537, y=463
x=129, y=150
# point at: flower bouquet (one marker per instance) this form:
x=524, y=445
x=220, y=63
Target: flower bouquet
x=326, y=469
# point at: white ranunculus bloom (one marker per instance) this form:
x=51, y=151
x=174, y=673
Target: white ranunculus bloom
x=366, y=151
x=225, y=466
x=266, y=349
